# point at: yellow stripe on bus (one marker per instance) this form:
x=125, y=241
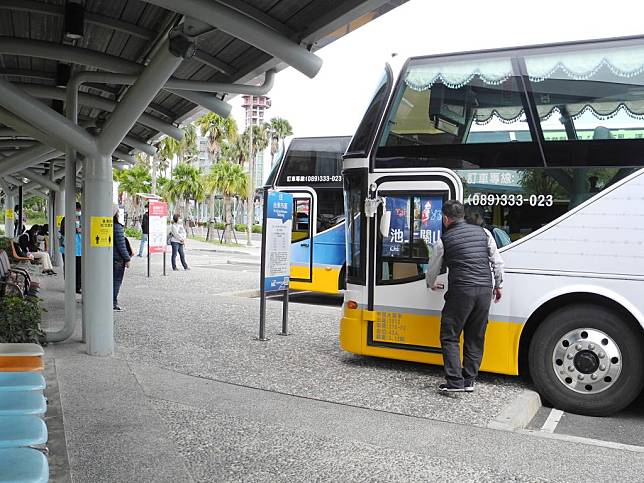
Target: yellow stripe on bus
x=501, y=340
x=325, y=279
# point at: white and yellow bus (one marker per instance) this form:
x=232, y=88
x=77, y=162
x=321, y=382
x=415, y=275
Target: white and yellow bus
x=547, y=143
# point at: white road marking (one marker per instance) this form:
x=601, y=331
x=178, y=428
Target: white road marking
x=553, y=419
x=581, y=440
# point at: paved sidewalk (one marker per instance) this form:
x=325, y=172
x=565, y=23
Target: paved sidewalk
x=190, y=396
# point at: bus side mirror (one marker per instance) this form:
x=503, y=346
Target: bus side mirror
x=385, y=221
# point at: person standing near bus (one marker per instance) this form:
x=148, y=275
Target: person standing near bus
x=475, y=277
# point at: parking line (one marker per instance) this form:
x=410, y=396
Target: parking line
x=553, y=419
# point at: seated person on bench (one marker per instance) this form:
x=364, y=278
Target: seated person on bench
x=28, y=244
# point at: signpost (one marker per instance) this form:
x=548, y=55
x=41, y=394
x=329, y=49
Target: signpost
x=276, y=249
x=158, y=230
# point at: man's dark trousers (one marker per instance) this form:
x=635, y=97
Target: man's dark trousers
x=466, y=310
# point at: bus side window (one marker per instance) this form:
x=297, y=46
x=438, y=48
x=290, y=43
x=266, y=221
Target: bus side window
x=301, y=220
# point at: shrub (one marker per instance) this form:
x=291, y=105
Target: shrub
x=243, y=228
x=133, y=233
x=20, y=320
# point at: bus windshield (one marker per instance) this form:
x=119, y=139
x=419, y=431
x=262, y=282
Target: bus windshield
x=532, y=133
x=519, y=99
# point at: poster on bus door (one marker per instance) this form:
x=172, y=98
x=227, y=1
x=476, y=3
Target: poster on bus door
x=158, y=226
x=279, y=222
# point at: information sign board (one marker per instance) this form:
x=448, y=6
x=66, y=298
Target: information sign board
x=278, y=225
x=158, y=226
x=101, y=231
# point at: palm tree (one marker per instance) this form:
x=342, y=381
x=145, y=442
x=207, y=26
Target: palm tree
x=218, y=129
x=186, y=184
x=279, y=129
x=229, y=179
x=258, y=136
x=134, y=180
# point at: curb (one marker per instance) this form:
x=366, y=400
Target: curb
x=518, y=413
x=243, y=262
x=250, y=294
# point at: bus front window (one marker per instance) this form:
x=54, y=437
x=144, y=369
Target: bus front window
x=457, y=103
x=354, y=195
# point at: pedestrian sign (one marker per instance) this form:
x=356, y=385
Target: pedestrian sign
x=59, y=220
x=9, y=214
x=101, y=231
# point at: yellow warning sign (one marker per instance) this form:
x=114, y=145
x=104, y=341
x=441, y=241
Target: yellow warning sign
x=101, y=231
x=59, y=220
x=9, y=214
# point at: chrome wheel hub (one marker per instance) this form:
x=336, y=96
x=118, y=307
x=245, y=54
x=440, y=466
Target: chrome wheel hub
x=587, y=361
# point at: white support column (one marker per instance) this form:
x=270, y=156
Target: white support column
x=97, y=292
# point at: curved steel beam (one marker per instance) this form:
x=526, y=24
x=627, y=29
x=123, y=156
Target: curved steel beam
x=247, y=29
x=98, y=102
x=77, y=55
x=205, y=86
x=140, y=145
x=45, y=119
x=44, y=181
x=27, y=157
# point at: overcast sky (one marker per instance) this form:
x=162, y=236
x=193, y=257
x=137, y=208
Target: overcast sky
x=333, y=102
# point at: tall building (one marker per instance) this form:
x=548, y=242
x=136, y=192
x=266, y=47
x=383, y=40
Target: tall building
x=255, y=107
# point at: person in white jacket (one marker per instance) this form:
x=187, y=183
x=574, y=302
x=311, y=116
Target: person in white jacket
x=177, y=238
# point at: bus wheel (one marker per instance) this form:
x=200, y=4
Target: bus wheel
x=586, y=359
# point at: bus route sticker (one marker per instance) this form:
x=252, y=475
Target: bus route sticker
x=279, y=221
x=101, y=231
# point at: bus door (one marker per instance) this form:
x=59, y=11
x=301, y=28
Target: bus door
x=304, y=211
x=409, y=222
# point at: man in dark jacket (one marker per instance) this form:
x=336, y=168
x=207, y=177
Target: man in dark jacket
x=121, y=258
x=475, y=277
x=145, y=230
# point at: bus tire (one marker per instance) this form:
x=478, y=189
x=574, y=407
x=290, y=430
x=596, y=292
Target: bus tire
x=587, y=359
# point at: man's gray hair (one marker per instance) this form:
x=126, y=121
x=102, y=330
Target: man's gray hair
x=454, y=210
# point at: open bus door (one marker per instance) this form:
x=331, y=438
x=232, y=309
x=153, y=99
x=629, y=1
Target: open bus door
x=304, y=216
x=406, y=315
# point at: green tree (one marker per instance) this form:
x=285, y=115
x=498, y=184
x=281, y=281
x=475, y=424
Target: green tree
x=134, y=180
x=228, y=179
x=186, y=184
x=258, y=138
x=279, y=128
x=218, y=130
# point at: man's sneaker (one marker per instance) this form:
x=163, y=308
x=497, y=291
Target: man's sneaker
x=445, y=388
x=469, y=386
x=117, y=308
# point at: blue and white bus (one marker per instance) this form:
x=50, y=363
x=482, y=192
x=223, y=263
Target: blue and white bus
x=311, y=171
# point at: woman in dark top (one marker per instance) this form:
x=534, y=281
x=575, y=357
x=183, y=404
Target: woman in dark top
x=121, y=257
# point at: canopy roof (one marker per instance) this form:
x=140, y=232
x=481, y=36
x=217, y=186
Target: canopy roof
x=236, y=41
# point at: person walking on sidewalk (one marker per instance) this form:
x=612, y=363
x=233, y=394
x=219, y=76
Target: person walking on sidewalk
x=145, y=230
x=177, y=240
x=475, y=277
x=121, y=258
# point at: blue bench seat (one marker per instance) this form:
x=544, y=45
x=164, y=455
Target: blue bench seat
x=19, y=403
x=23, y=465
x=21, y=381
x=17, y=431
